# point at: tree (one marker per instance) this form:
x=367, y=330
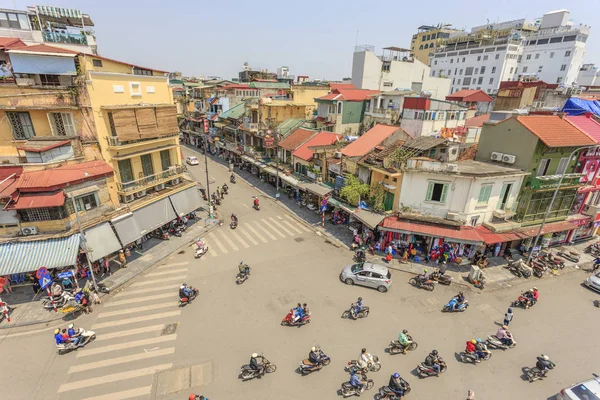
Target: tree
x=354, y=190
x=377, y=196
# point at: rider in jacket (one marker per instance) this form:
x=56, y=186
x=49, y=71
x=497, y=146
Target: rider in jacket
x=396, y=384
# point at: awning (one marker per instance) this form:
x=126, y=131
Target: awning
x=271, y=171
x=42, y=64
x=465, y=234
x=186, y=201
x=368, y=218
x=101, y=241
x=8, y=217
x=316, y=188
x=22, y=257
x=144, y=220
x=253, y=161
x=232, y=128
x=290, y=180
x=37, y=200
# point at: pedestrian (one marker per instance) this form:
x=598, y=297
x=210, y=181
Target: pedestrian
x=443, y=267
x=122, y=259
x=6, y=286
x=508, y=317
x=106, y=266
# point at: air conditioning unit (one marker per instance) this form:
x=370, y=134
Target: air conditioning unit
x=453, y=216
x=452, y=168
x=497, y=156
x=338, y=154
x=140, y=194
x=30, y=230
x=174, y=182
x=160, y=187
x=127, y=199
x=508, y=158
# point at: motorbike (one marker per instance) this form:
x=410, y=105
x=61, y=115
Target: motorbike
x=186, y=300
x=496, y=343
x=373, y=366
x=553, y=262
x=396, y=347
x=289, y=320
x=538, y=267
x=60, y=300
x=442, y=279
x=307, y=367
x=64, y=348
x=422, y=284
x=241, y=277
x=451, y=306
x=472, y=357
x=225, y=190
x=533, y=374
x=348, y=390
x=175, y=232
x=423, y=370
x=522, y=301
x=515, y=268
x=386, y=393
x=363, y=313
x=256, y=207
x=233, y=224
x=569, y=255
x=201, y=248
x=247, y=372
x=360, y=257
x=217, y=200
x=232, y=179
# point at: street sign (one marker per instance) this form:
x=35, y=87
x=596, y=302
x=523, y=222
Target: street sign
x=45, y=281
x=205, y=126
x=41, y=272
x=269, y=141
x=66, y=274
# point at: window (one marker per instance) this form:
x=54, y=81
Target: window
x=165, y=159
x=480, y=80
x=562, y=166
x=463, y=60
x=484, y=194
x=524, y=69
x=497, y=56
x=461, y=71
x=86, y=202
x=49, y=80
x=551, y=54
x=111, y=123
x=20, y=125
x=474, y=220
x=485, y=58
x=493, y=70
x=528, y=57
x=125, y=170
x=476, y=71
x=567, y=53
x=147, y=167
x=135, y=88
x=559, y=79
x=437, y=192
x=14, y=21
x=563, y=67
x=435, y=62
x=97, y=63
x=141, y=71
x=543, y=167
x=482, y=70
x=426, y=46
x=458, y=81
x=504, y=196
x=428, y=37
x=339, y=107
x=421, y=47
x=466, y=81
x=452, y=61
x=511, y=70
x=478, y=58
x=540, y=68
x=537, y=55
x=491, y=81
x=62, y=124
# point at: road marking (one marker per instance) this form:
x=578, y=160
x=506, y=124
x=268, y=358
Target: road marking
x=228, y=241
x=139, y=299
x=179, y=264
x=158, y=282
x=126, y=345
x=239, y=239
x=119, y=334
x=163, y=273
x=269, y=234
x=136, y=319
x=121, y=360
x=247, y=206
x=120, y=376
x=26, y=333
x=248, y=236
x=214, y=239
x=280, y=226
x=211, y=251
x=301, y=225
x=124, y=395
x=258, y=235
x=265, y=222
x=137, y=309
x=289, y=224
x=138, y=291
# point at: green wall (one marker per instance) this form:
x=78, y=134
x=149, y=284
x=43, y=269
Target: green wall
x=352, y=111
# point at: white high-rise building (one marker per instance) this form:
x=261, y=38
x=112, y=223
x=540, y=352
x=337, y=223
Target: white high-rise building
x=549, y=48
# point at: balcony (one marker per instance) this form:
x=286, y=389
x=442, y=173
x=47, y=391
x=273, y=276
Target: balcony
x=150, y=181
x=251, y=126
x=551, y=181
x=13, y=97
x=67, y=37
x=114, y=142
x=591, y=210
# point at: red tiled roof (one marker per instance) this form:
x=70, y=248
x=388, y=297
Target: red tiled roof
x=465, y=233
x=37, y=200
x=477, y=121
x=336, y=86
x=371, y=138
x=59, y=177
x=296, y=138
x=555, y=131
x=349, y=95
x=43, y=48
x=8, y=187
x=322, y=138
x=587, y=124
x=470, y=96
x=9, y=43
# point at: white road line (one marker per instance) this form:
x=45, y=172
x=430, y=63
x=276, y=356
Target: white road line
x=124, y=395
x=248, y=236
x=237, y=237
x=120, y=334
x=301, y=225
x=213, y=238
x=121, y=360
x=280, y=226
x=211, y=251
x=127, y=292
x=265, y=222
x=163, y=273
x=258, y=235
x=269, y=234
x=158, y=282
x=120, y=376
x=139, y=309
x=136, y=319
x=126, y=345
x=290, y=225
x=227, y=240
x=179, y=264
x=139, y=299
x=26, y=333
x=247, y=206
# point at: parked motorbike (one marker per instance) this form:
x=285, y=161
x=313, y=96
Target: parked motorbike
x=424, y=370
x=538, y=267
x=175, y=232
x=422, y=284
x=288, y=320
x=386, y=393
x=363, y=313
x=373, y=366
x=396, y=347
x=442, y=279
x=453, y=307
x=572, y=256
x=87, y=336
x=348, y=390
x=360, y=257
x=242, y=277
x=247, y=372
x=512, y=267
x=183, y=301
x=306, y=367
x=473, y=358
x=201, y=248
x=553, y=262
x=522, y=301
x=496, y=343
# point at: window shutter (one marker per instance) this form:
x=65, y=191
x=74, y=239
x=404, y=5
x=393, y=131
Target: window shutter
x=502, y=193
x=69, y=124
x=429, y=191
x=444, y=193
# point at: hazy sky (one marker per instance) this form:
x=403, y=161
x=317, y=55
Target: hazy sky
x=314, y=38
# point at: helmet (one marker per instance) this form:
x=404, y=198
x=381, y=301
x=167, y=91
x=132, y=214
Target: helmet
x=545, y=357
x=460, y=293
x=434, y=352
x=360, y=299
x=531, y=290
x=478, y=340
x=510, y=310
x=313, y=349
x=364, y=350
x=241, y=262
x=424, y=269
x=504, y=327
x=396, y=375
x=70, y=326
x=56, y=331
x=473, y=341
x=254, y=355
x=192, y=396
x=404, y=331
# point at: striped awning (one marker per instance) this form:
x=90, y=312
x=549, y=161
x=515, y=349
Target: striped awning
x=29, y=256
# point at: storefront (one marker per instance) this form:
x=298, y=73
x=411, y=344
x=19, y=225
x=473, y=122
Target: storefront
x=101, y=241
x=312, y=194
x=186, y=201
x=584, y=229
x=251, y=165
x=132, y=226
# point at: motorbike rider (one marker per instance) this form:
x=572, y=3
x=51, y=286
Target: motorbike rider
x=530, y=297
x=243, y=268
x=232, y=177
x=74, y=335
x=58, y=337
x=357, y=307
x=298, y=313
x=460, y=299
x=305, y=310
x=219, y=192
x=424, y=277
x=355, y=381
x=535, y=294
x=404, y=341
x=194, y=396
x=256, y=202
x=360, y=254
x=472, y=349
x=315, y=356
x=184, y=291
x=544, y=364
x=234, y=218
x=397, y=385
x=365, y=359
x=433, y=361
x=225, y=188
x=257, y=365
x=504, y=335
x=481, y=348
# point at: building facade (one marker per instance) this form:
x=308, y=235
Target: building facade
x=422, y=116
x=428, y=38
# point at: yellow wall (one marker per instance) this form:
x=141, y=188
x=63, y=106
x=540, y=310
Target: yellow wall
x=304, y=94
x=279, y=113
x=379, y=176
x=110, y=66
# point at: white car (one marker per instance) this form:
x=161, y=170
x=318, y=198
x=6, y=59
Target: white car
x=593, y=282
x=588, y=390
x=191, y=160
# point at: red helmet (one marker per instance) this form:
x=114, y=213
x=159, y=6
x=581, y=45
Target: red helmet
x=192, y=396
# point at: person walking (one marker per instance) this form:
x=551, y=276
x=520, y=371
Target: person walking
x=508, y=317
x=122, y=259
x=6, y=286
x=106, y=266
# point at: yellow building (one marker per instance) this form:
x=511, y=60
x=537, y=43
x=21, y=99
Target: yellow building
x=427, y=39
x=306, y=94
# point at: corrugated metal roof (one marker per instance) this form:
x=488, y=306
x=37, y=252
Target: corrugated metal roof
x=37, y=200
x=22, y=257
x=468, y=234
x=286, y=126
x=234, y=112
x=269, y=85
x=368, y=140
x=60, y=176
x=39, y=146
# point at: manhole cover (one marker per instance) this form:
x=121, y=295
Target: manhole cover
x=299, y=239
x=169, y=329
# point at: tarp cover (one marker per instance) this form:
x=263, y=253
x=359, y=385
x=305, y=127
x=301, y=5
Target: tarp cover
x=144, y=221
x=36, y=64
x=186, y=201
x=101, y=240
x=577, y=106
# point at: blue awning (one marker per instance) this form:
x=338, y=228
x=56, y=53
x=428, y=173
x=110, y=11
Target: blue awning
x=38, y=64
x=29, y=256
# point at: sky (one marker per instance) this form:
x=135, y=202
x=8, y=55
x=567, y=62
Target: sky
x=311, y=37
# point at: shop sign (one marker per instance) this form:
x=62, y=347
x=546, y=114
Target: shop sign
x=269, y=141
x=205, y=126
x=580, y=222
x=593, y=152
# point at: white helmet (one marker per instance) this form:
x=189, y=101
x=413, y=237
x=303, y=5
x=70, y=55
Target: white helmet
x=545, y=357
x=314, y=349
x=71, y=326
x=254, y=355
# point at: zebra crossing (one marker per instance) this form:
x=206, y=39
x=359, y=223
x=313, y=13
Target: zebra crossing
x=250, y=234
x=135, y=338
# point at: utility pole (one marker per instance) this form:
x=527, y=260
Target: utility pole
x=277, y=163
x=210, y=209
x=84, y=244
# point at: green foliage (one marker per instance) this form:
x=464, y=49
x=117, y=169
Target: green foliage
x=354, y=190
x=376, y=198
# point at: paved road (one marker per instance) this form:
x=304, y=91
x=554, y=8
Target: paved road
x=147, y=345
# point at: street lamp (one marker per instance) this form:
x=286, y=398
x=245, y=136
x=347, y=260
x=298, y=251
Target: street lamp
x=539, y=233
x=210, y=209
x=276, y=133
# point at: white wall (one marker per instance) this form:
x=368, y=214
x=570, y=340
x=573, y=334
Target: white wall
x=323, y=110
x=590, y=76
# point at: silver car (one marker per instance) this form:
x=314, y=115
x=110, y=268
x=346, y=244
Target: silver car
x=588, y=390
x=593, y=282
x=367, y=274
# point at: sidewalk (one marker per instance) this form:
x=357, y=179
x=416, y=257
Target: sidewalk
x=29, y=310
